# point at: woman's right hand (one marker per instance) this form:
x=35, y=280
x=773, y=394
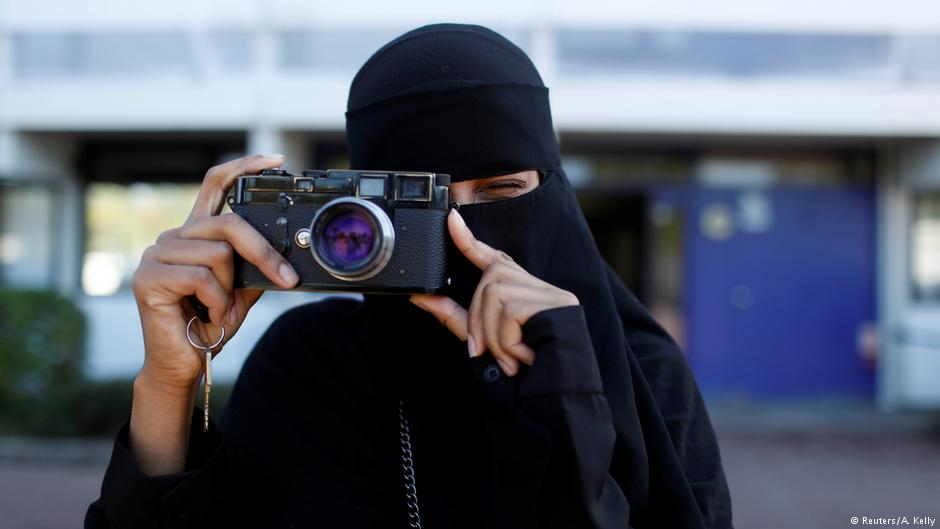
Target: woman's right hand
x=196, y=258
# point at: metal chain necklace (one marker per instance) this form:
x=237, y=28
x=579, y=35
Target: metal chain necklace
x=408, y=469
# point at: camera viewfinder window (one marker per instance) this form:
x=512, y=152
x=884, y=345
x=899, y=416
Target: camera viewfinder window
x=305, y=185
x=371, y=187
x=412, y=188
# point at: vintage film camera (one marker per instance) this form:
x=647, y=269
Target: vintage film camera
x=353, y=231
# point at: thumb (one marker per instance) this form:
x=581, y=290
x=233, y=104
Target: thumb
x=245, y=298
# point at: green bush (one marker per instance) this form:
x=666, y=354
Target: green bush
x=88, y=408
x=91, y=408
x=42, y=344
x=43, y=388
x=81, y=408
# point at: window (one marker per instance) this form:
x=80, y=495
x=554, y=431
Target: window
x=27, y=251
x=724, y=54
x=163, y=54
x=346, y=49
x=925, y=247
x=330, y=49
x=121, y=222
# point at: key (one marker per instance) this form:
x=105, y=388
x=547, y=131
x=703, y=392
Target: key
x=207, y=373
x=208, y=385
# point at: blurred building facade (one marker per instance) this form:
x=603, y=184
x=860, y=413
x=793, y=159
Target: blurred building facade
x=764, y=175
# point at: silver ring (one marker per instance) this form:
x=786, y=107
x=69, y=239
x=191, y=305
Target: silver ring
x=203, y=347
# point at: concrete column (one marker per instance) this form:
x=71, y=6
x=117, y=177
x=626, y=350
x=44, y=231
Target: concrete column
x=43, y=164
x=6, y=57
x=892, y=215
x=910, y=353
x=296, y=146
x=544, y=53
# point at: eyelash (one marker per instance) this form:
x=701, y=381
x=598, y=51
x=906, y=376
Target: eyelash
x=505, y=184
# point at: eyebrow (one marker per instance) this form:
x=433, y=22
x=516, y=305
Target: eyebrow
x=502, y=178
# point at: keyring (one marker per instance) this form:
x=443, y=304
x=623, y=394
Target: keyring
x=203, y=347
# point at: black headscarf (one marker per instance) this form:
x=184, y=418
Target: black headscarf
x=454, y=99
x=463, y=100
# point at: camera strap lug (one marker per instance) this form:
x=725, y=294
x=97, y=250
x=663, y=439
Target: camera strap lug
x=284, y=201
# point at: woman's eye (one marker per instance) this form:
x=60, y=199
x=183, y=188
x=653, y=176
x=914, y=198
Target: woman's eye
x=499, y=190
x=507, y=184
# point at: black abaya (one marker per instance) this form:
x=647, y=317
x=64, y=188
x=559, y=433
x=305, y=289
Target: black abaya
x=310, y=436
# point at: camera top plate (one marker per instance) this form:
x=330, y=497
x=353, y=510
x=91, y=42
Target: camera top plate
x=405, y=188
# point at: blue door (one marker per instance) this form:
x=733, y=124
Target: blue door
x=778, y=284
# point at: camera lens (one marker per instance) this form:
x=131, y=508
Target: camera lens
x=352, y=238
x=348, y=238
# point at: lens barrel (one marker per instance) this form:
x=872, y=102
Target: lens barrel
x=352, y=238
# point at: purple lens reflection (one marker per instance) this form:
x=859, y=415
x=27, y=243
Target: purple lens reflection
x=347, y=238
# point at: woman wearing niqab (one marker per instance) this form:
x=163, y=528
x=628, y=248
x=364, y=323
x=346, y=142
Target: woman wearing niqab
x=605, y=428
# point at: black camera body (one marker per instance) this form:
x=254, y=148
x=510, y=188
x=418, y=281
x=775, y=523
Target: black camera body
x=349, y=231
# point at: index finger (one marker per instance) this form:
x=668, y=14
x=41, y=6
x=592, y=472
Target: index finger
x=220, y=178
x=478, y=252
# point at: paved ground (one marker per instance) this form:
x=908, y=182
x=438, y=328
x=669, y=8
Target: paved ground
x=817, y=464
x=38, y=495
x=807, y=467
x=813, y=481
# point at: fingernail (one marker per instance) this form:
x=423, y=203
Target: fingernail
x=287, y=274
x=459, y=218
x=274, y=156
x=471, y=346
x=503, y=365
x=233, y=315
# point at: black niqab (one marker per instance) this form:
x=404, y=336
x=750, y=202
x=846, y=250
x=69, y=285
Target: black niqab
x=463, y=100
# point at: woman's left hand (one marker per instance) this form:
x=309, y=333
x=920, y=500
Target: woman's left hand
x=506, y=297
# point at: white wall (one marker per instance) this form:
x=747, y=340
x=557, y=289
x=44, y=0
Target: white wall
x=849, y=15
x=269, y=97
